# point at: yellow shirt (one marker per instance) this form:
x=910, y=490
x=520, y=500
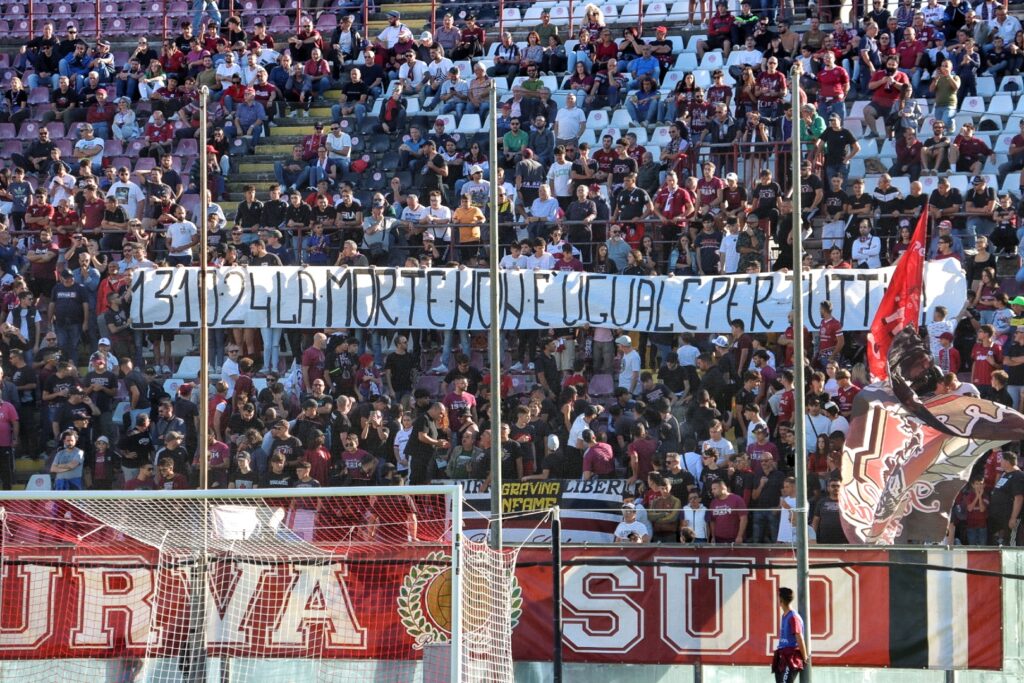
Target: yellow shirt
x=468, y=220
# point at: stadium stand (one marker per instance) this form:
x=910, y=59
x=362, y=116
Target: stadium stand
x=636, y=138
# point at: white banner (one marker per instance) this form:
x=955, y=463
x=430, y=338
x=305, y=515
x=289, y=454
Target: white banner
x=457, y=299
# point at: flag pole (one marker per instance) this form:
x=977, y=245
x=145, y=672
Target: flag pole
x=800, y=446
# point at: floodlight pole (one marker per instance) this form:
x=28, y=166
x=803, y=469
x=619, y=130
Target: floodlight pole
x=799, y=422
x=495, y=330
x=204, y=335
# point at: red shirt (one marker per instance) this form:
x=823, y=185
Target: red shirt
x=981, y=371
x=833, y=83
x=604, y=159
x=708, y=190
x=786, y=405
x=313, y=361
x=828, y=334
x=320, y=68
x=726, y=515
x=909, y=52
x=720, y=26
x=948, y=360
x=972, y=149
x=775, y=83
x=672, y=204
x=164, y=133
x=886, y=95
x=844, y=398
x=92, y=213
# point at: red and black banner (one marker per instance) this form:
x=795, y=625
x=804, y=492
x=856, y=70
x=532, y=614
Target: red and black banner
x=629, y=604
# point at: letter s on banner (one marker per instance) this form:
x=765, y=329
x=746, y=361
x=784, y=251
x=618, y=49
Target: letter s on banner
x=603, y=593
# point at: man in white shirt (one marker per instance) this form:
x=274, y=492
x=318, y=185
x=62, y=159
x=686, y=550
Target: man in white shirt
x=412, y=75
x=570, y=122
x=730, y=257
x=514, y=259
x=747, y=56
x=540, y=259
x=693, y=516
x=786, y=519
x=439, y=218
x=181, y=236
x=478, y=189
x=722, y=445
x=226, y=70
x=89, y=147
x=629, y=375
x=939, y=325
x=866, y=251
x=437, y=70
x=815, y=424
x=1004, y=26
x=413, y=215
x=837, y=423
x=339, y=147
x=631, y=530
x=559, y=178
x=389, y=36
x=129, y=195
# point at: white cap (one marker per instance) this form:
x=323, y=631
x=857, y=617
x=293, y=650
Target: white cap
x=624, y=340
x=731, y=176
x=475, y=168
x=721, y=342
x=426, y=35
x=104, y=342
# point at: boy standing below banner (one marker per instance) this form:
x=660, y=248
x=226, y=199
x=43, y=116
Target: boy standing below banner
x=791, y=652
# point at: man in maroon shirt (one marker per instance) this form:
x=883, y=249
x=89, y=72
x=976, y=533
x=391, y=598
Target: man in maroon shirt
x=727, y=516
x=908, y=155
x=968, y=153
x=885, y=85
x=833, y=86
x=910, y=50
x=830, y=336
x=846, y=392
x=987, y=356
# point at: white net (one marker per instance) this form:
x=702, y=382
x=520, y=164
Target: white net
x=308, y=585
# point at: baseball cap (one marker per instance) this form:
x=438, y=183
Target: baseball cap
x=426, y=36
x=831, y=407
x=731, y=176
x=628, y=506
x=946, y=224
x=720, y=341
x=948, y=336
x=1017, y=301
x=624, y=340
x=394, y=13
x=67, y=274
x=103, y=439
x=103, y=341
x=475, y=168
x=977, y=180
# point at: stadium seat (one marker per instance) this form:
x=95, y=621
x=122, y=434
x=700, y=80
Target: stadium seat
x=641, y=136
x=1012, y=84
x=597, y=119
x=469, y=124
x=38, y=482
x=560, y=15
x=189, y=367
x=673, y=77
x=687, y=61
x=1011, y=183
x=661, y=136
x=622, y=119
x=712, y=61
x=986, y=86
x=611, y=13
x=511, y=18
x=1000, y=105
x=691, y=44
x=974, y=105
x=656, y=11
x=449, y=123
x=929, y=183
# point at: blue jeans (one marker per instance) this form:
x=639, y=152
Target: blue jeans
x=977, y=536
x=257, y=132
x=765, y=527
x=271, y=348
x=837, y=107
x=446, y=349
x=841, y=169
x=321, y=85
x=945, y=114
x=646, y=115
x=667, y=109
x=290, y=180
x=482, y=110
x=576, y=56
x=33, y=81
x=68, y=337
x=201, y=6
x=358, y=109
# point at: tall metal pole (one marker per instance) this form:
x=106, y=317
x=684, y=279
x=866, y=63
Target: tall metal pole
x=495, y=331
x=204, y=332
x=556, y=594
x=802, y=517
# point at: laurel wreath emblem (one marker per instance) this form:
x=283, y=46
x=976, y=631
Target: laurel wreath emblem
x=410, y=601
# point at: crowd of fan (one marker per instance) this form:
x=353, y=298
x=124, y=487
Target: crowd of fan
x=704, y=434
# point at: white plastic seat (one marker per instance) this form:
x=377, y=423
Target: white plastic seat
x=656, y=11
x=687, y=61
x=1011, y=183
x=597, y=119
x=986, y=86
x=671, y=79
x=560, y=15
x=39, y=482
x=974, y=105
x=1015, y=79
x=511, y=17
x=661, y=136
x=622, y=119
x=691, y=44
x=1000, y=105
x=189, y=367
x=712, y=61
x=641, y=135
x=469, y=124
x=449, y=122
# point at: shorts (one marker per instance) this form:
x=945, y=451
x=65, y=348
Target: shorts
x=74, y=484
x=716, y=42
x=41, y=287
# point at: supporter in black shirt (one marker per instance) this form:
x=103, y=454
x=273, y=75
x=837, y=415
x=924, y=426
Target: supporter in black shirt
x=136, y=447
x=631, y=202
x=707, y=244
x=249, y=213
x=274, y=211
